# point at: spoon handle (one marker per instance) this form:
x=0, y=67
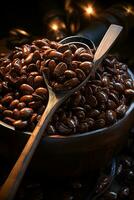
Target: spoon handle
x=12, y=183
x=106, y=43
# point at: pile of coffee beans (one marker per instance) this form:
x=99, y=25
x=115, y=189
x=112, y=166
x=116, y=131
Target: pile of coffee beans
x=67, y=66
x=24, y=95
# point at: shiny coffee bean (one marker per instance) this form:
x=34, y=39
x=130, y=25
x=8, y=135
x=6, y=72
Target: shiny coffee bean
x=121, y=110
x=26, y=89
x=19, y=124
x=26, y=112
x=111, y=116
x=14, y=104
x=26, y=98
x=60, y=69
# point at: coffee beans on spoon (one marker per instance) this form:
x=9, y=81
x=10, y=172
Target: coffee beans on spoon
x=24, y=95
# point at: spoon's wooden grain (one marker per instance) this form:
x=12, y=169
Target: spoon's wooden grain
x=13, y=181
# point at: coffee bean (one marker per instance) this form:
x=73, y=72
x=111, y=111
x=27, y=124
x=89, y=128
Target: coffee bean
x=70, y=74
x=111, y=104
x=28, y=59
x=79, y=51
x=71, y=83
x=121, y=110
x=16, y=113
x=129, y=92
x=110, y=116
x=63, y=48
x=51, y=130
x=26, y=98
x=14, y=104
x=26, y=112
x=41, y=91
x=26, y=89
x=86, y=57
x=38, y=81
x=31, y=67
x=102, y=97
x=80, y=74
x=21, y=105
x=6, y=100
x=86, y=67
x=9, y=120
x=94, y=113
x=19, y=124
x=67, y=57
x=8, y=113
x=60, y=69
x=2, y=108
x=92, y=101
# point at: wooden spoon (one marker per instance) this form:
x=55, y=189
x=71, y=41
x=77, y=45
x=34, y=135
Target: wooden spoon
x=9, y=188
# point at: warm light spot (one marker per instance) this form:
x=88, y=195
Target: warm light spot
x=129, y=10
x=54, y=27
x=88, y=9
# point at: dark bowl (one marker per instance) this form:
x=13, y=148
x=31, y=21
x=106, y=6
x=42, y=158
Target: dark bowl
x=70, y=155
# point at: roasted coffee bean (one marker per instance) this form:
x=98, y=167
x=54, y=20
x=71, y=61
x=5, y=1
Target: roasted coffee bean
x=111, y=104
x=8, y=113
x=71, y=83
x=60, y=69
x=14, y=104
x=30, y=80
x=63, y=129
x=21, y=105
x=119, y=87
x=80, y=74
x=28, y=59
x=94, y=113
x=102, y=97
x=16, y=113
x=100, y=123
x=26, y=89
x=9, y=120
x=86, y=57
x=86, y=67
x=34, y=118
x=19, y=124
x=67, y=57
x=83, y=127
x=38, y=81
x=55, y=55
x=51, y=130
x=37, y=97
x=111, y=116
x=92, y=101
x=79, y=51
x=26, y=98
x=7, y=100
x=41, y=91
x=129, y=92
x=70, y=74
x=35, y=104
x=26, y=112
x=31, y=68
x=2, y=108
x=121, y=110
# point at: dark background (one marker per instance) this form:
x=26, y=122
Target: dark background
x=28, y=14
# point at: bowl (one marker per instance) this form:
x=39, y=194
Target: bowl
x=72, y=155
